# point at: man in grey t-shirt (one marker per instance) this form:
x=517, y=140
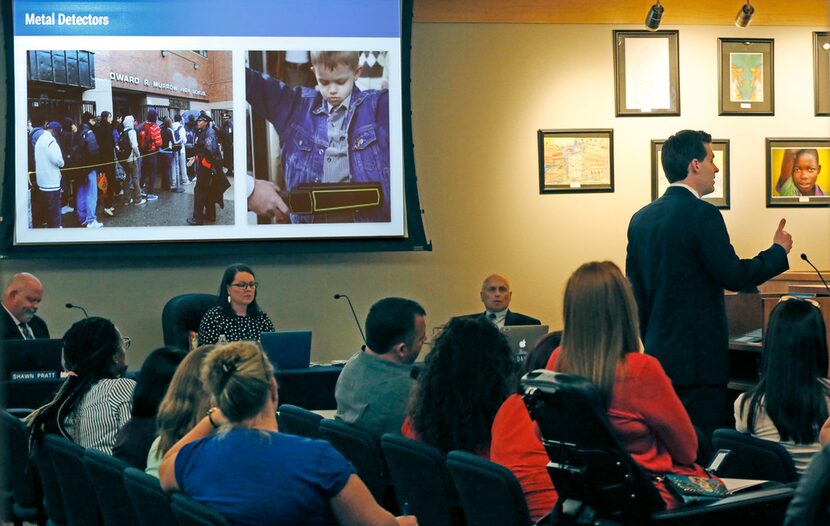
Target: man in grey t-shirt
x=373, y=389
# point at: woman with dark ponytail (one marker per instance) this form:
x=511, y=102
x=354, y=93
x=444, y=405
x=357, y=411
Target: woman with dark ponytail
x=95, y=400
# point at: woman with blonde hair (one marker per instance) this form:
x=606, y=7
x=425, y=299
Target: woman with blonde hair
x=185, y=403
x=601, y=342
x=235, y=460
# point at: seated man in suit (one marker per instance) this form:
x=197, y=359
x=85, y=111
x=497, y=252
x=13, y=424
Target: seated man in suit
x=496, y=296
x=372, y=392
x=20, y=301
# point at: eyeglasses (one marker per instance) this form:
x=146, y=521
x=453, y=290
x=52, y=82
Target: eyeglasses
x=126, y=343
x=814, y=303
x=243, y=285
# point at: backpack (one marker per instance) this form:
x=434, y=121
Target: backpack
x=145, y=138
x=123, y=148
x=83, y=149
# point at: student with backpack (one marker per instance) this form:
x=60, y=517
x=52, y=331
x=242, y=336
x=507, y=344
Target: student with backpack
x=128, y=153
x=149, y=141
x=88, y=156
x=179, y=142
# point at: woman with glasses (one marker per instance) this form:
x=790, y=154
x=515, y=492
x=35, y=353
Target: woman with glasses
x=237, y=315
x=95, y=400
x=790, y=402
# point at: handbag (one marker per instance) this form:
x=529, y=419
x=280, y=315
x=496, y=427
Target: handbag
x=690, y=488
x=102, y=182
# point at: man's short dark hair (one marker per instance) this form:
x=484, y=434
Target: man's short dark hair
x=86, y=117
x=391, y=321
x=681, y=149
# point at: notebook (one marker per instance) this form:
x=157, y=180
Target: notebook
x=287, y=349
x=521, y=338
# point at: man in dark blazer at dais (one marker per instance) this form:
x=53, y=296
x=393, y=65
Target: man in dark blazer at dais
x=20, y=302
x=679, y=261
x=496, y=296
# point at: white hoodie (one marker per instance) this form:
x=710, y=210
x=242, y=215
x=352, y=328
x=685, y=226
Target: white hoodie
x=48, y=162
x=129, y=128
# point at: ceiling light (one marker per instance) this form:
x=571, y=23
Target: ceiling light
x=654, y=16
x=744, y=15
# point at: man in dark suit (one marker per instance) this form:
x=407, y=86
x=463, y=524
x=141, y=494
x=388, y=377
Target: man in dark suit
x=679, y=262
x=496, y=296
x=20, y=301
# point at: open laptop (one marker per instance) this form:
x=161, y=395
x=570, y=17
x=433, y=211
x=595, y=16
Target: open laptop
x=287, y=349
x=30, y=360
x=521, y=338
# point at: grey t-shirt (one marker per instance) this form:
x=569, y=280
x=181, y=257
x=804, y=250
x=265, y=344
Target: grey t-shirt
x=373, y=393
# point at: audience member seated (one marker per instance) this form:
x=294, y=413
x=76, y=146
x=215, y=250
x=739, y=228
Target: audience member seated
x=21, y=299
x=236, y=315
x=184, y=404
x=464, y=381
x=237, y=462
x=373, y=390
x=790, y=402
x=601, y=342
x=496, y=296
x=516, y=444
x=133, y=440
x=94, y=401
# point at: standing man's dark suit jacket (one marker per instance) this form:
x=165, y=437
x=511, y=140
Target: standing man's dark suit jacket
x=512, y=318
x=679, y=262
x=9, y=330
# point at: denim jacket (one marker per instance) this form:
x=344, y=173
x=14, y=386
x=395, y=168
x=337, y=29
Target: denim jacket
x=300, y=119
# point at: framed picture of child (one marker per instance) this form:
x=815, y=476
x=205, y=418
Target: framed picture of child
x=320, y=134
x=821, y=71
x=719, y=197
x=745, y=76
x=794, y=175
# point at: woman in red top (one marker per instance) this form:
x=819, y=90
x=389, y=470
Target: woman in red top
x=516, y=444
x=601, y=342
x=464, y=381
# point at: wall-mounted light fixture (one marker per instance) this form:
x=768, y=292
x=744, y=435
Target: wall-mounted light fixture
x=164, y=52
x=744, y=15
x=654, y=16
x=195, y=65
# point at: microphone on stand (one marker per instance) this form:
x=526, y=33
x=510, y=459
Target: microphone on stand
x=71, y=306
x=804, y=257
x=363, y=336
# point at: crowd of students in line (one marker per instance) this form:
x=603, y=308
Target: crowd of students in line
x=108, y=162
x=213, y=433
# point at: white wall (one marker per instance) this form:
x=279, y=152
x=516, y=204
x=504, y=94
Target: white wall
x=480, y=92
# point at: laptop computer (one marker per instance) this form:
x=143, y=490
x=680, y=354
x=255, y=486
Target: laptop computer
x=287, y=349
x=521, y=338
x=30, y=360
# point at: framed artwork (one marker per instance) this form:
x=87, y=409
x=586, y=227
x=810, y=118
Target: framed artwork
x=795, y=177
x=576, y=161
x=646, y=73
x=745, y=76
x=821, y=71
x=719, y=198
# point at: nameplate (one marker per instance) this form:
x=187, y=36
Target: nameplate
x=33, y=376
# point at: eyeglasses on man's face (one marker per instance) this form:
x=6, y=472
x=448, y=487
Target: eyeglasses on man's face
x=245, y=285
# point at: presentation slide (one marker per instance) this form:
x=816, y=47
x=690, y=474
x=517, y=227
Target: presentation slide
x=207, y=120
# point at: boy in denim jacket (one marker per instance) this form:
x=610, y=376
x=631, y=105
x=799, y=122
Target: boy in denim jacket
x=334, y=134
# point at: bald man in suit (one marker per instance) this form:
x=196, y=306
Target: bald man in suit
x=496, y=295
x=21, y=299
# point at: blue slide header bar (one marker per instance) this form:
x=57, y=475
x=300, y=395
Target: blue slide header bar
x=267, y=18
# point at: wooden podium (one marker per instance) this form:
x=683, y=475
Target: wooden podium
x=750, y=312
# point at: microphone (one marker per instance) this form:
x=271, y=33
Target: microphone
x=71, y=306
x=804, y=257
x=337, y=297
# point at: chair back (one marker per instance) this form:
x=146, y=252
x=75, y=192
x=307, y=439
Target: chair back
x=20, y=476
x=191, y=513
x=150, y=503
x=490, y=494
x=423, y=484
x=298, y=421
x=78, y=496
x=183, y=314
x=811, y=502
x=107, y=476
x=753, y=458
x=588, y=464
x=363, y=451
x=53, y=500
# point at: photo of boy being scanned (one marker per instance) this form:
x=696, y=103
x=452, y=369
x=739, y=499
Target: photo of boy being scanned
x=332, y=139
